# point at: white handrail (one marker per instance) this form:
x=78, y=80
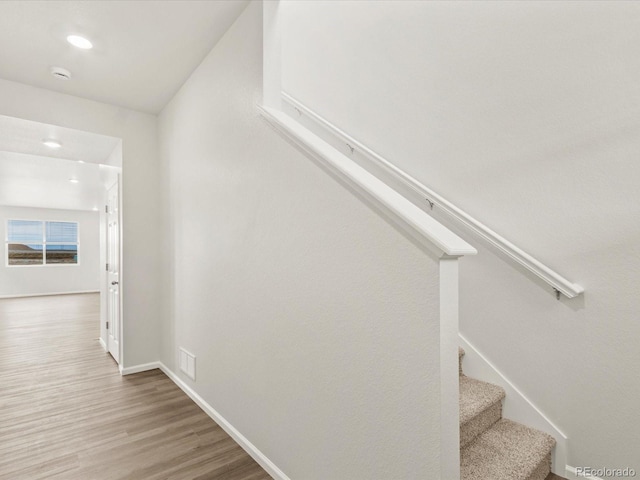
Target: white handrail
x=557, y=281
x=416, y=221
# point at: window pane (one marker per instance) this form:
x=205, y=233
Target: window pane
x=25, y=254
x=62, y=232
x=62, y=254
x=24, y=231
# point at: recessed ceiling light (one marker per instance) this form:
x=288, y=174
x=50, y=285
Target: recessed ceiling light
x=73, y=180
x=49, y=142
x=61, y=73
x=80, y=161
x=80, y=42
x=95, y=209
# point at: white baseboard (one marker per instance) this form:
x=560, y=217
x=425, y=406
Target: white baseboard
x=240, y=439
x=571, y=474
x=48, y=294
x=139, y=368
x=103, y=345
x=516, y=405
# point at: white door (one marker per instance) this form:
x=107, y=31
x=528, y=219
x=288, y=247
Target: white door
x=113, y=273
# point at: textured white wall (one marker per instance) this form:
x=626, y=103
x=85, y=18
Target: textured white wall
x=314, y=321
x=59, y=278
x=526, y=115
x=140, y=193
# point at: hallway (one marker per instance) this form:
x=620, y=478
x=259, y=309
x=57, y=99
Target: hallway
x=66, y=413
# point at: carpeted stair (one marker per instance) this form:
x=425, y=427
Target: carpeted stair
x=494, y=448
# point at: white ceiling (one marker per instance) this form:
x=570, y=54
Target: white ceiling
x=33, y=175
x=42, y=182
x=143, y=50
x=24, y=136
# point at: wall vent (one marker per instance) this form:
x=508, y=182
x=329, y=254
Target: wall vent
x=188, y=363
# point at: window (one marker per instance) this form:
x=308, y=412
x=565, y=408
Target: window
x=35, y=242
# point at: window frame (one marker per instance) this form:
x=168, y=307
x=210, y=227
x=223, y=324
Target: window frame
x=43, y=242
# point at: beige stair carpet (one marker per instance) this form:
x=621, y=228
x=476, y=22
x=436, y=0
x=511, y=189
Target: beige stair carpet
x=480, y=407
x=493, y=448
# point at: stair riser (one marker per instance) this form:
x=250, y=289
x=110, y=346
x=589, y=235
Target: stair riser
x=543, y=470
x=479, y=424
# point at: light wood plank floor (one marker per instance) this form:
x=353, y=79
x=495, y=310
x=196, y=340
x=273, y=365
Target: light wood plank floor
x=66, y=413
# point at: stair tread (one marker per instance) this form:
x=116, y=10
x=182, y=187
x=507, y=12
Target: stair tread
x=506, y=451
x=476, y=396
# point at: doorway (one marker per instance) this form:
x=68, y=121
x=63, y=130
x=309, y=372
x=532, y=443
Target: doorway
x=61, y=178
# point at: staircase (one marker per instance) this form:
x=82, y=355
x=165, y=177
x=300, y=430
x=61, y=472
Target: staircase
x=492, y=447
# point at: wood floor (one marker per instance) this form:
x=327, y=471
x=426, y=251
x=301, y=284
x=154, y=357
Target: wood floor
x=66, y=413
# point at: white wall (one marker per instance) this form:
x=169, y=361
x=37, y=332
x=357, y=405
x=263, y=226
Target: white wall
x=140, y=284
x=526, y=115
x=314, y=321
x=83, y=277
x=115, y=159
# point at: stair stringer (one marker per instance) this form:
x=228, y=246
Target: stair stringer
x=516, y=405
